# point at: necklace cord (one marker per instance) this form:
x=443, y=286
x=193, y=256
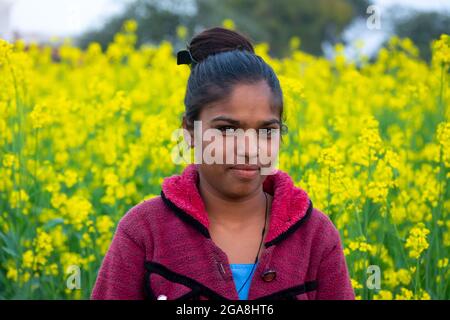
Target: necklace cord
x=259, y=249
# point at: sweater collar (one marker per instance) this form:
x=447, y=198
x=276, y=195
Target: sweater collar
x=291, y=205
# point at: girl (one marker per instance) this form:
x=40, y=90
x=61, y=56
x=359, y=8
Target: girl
x=227, y=230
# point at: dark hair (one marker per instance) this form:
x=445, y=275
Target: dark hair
x=225, y=58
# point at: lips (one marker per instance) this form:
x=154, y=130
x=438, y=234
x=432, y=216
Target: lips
x=245, y=171
x=245, y=167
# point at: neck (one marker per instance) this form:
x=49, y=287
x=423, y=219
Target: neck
x=234, y=212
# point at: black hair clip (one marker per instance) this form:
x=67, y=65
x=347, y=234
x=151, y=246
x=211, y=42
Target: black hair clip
x=185, y=57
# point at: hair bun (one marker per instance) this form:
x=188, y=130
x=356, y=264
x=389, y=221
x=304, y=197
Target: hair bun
x=216, y=40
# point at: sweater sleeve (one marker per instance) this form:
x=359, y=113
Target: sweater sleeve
x=121, y=275
x=333, y=277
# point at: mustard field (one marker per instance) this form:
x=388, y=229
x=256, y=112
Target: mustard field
x=86, y=135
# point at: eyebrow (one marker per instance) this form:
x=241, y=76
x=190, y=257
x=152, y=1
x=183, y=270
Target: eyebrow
x=237, y=122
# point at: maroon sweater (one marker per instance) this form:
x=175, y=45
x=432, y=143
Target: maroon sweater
x=162, y=249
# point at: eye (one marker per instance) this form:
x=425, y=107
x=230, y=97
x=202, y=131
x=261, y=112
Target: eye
x=268, y=131
x=227, y=129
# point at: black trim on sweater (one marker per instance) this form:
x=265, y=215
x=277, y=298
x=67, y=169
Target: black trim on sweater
x=191, y=295
x=291, y=293
x=292, y=228
x=186, y=217
x=148, y=291
x=197, y=287
x=204, y=231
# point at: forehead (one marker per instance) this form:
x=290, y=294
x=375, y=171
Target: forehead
x=247, y=103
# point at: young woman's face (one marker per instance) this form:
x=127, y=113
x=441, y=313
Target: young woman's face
x=247, y=154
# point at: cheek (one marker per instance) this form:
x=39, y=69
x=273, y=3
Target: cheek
x=269, y=148
x=229, y=149
x=215, y=150
x=223, y=149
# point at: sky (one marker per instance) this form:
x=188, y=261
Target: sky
x=372, y=38
x=418, y=4
x=71, y=17
x=61, y=17
x=42, y=19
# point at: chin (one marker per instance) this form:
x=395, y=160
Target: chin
x=241, y=187
x=237, y=193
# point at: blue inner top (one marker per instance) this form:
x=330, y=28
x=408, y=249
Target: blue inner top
x=241, y=271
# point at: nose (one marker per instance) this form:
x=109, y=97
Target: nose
x=247, y=146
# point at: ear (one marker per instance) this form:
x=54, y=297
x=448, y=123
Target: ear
x=188, y=130
x=283, y=131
